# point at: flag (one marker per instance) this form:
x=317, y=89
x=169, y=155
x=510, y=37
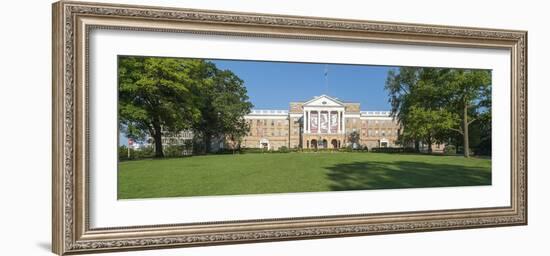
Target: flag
x=130, y=142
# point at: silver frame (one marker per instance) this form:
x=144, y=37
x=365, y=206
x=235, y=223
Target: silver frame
x=72, y=22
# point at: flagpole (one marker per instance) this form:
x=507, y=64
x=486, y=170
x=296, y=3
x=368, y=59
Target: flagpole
x=326, y=79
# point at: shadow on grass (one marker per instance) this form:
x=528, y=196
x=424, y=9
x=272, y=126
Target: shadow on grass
x=404, y=174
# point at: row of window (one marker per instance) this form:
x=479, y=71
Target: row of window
x=381, y=133
x=266, y=122
x=264, y=131
x=353, y=121
x=283, y=132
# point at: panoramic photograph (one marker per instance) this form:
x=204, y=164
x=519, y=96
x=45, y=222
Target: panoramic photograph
x=211, y=127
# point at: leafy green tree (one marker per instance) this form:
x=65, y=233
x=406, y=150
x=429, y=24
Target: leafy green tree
x=158, y=95
x=429, y=125
x=463, y=93
x=222, y=105
x=155, y=94
x=470, y=97
x=354, y=138
x=411, y=87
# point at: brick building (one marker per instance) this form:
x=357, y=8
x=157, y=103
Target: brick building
x=322, y=122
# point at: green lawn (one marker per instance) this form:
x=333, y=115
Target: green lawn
x=295, y=172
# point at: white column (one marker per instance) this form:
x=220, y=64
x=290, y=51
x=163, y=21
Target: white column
x=329, y=121
x=309, y=121
x=319, y=121
x=343, y=123
x=304, y=121
x=339, y=122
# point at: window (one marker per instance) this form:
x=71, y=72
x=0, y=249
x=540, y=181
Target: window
x=383, y=133
x=376, y=132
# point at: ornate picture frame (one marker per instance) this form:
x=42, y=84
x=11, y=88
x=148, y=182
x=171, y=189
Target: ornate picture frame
x=72, y=23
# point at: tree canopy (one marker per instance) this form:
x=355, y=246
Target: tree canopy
x=159, y=95
x=434, y=104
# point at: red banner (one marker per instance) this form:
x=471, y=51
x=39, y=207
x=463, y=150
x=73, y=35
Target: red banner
x=334, y=122
x=314, y=123
x=324, y=122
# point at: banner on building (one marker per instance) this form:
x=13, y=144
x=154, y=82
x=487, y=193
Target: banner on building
x=314, y=125
x=334, y=122
x=324, y=122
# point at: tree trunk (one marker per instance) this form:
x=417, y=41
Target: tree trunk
x=429, y=141
x=417, y=145
x=465, y=130
x=157, y=136
x=207, y=143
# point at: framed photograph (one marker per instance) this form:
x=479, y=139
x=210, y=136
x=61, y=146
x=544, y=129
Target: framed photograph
x=180, y=127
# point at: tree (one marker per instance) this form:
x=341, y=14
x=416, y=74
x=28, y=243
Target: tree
x=354, y=138
x=158, y=95
x=411, y=87
x=429, y=125
x=464, y=94
x=154, y=95
x=470, y=95
x=222, y=105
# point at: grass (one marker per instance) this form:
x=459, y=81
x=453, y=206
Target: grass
x=295, y=172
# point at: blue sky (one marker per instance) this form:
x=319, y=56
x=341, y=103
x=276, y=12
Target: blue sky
x=272, y=85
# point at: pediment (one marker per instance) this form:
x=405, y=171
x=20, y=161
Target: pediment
x=324, y=101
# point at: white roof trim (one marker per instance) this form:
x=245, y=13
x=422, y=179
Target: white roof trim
x=375, y=113
x=268, y=112
x=324, y=96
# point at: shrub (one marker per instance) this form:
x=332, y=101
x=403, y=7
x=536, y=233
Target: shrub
x=346, y=149
x=283, y=149
x=123, y=153
x=253, y=150
x=393, y=150
x=174, y=151
x=460, y=150
x=449, y=150
x=141, y=153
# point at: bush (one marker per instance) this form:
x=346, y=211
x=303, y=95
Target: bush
x=174, y=151
x=147, y=152
x=449, y=150
x=283, y=149
x=253, y=150
x=460, y=151
x=123, y=153
x=393, y=150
